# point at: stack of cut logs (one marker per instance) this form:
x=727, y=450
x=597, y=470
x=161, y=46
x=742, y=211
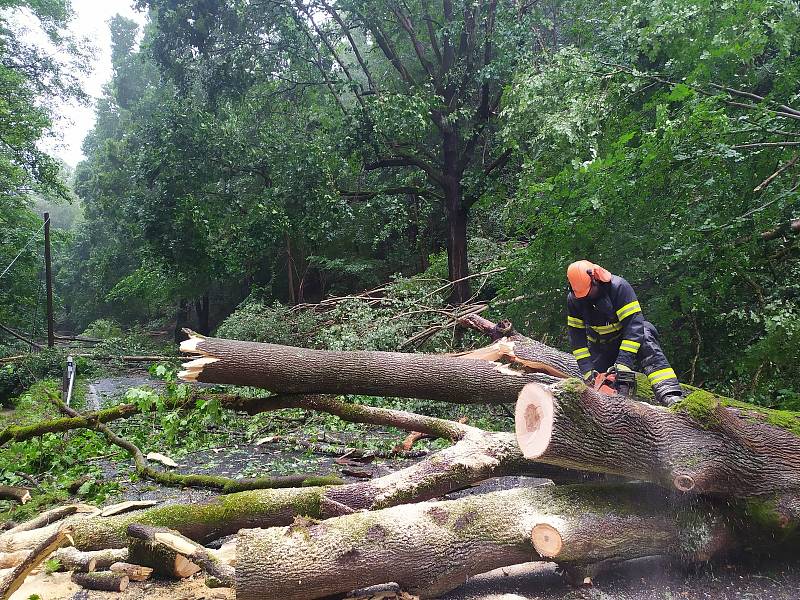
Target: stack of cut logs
x=694, y=482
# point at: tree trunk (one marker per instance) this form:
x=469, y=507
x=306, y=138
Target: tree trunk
x=202, y=307
x=477, y=456
x=705, y=445
x=458, y=266
x=299, y=370
x=181, y=320
x=290, y=270
x=164, y=561
x=433, y=547
x=16, y=493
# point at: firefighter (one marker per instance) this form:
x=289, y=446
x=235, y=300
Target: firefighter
x=608, y=332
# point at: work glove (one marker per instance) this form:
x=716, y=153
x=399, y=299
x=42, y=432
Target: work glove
x=590, y=376
x=618, y=368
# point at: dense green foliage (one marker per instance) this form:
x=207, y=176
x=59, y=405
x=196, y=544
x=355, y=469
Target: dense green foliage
x=265, y=154
x=32, y=79
x=655, y=172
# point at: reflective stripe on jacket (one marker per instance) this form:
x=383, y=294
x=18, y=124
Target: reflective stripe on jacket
x=614, y=317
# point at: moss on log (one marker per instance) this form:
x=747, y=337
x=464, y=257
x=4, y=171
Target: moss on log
x=703, y=445
x=19, y=433
x=479, y=455
x=432, y=547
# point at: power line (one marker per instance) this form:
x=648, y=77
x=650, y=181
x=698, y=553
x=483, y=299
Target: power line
x=24, y=248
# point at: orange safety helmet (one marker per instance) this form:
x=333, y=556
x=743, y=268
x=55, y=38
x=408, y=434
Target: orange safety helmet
x=580, y=275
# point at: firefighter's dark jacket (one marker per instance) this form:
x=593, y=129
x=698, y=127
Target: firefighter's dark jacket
x=614, y=317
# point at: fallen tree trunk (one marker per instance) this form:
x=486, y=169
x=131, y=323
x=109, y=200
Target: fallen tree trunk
x=287, y=369
x=162, y=560
x=433, y=547
x=704, y=445
x=477, y=456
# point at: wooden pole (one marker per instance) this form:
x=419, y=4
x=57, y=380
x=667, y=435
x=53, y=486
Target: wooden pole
x=51, y=340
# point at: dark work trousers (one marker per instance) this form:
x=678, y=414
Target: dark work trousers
x=650, y=357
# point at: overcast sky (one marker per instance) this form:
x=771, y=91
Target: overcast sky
x=74, y=122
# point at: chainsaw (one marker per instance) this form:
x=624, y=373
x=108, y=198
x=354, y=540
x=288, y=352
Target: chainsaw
x=616, y=383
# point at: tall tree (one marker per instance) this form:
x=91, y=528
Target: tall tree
x=421, y=83
x=32, y=81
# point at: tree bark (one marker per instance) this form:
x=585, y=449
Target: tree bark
x=705, y=445
x=202, y=307
x=457, y=263
x=105, y=581
x=163, y=560
x=299, y=370
x=72, y=559
x=43, y=549
x=172, y=541
x=181, y=320
x=433, y=547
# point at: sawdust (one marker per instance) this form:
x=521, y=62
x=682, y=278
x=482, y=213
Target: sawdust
x=58, y=586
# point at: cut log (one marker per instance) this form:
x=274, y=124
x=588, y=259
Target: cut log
x=48, y=517
x=105, y=581
x=164, y=561
x=72, y=559
x=183, y=546
x=42, y=550
x=433, y=547
x=705, y=444
x=288, y=369
x=13, y=492
x=134, y=572
x=27, y=539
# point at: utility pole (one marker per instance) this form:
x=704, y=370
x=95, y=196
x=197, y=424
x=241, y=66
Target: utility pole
x=48, y=272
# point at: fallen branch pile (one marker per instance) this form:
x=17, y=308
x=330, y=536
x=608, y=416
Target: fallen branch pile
x=722, y=475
